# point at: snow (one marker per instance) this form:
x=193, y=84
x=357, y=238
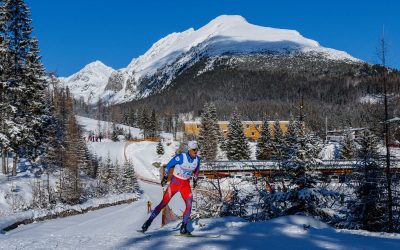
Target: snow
x=226, y=33
x=223, y=35
x=89, y=82
x=115, y=227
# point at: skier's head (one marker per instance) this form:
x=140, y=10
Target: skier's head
x=192, y=148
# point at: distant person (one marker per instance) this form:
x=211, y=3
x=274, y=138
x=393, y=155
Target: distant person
x=100, y=136
x=185, y=165
x=148, y=207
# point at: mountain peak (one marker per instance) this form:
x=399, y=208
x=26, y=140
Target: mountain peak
x=97, y=65
x=228, y=20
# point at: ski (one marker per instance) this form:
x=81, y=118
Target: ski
x=145, y=235
x=198, y=235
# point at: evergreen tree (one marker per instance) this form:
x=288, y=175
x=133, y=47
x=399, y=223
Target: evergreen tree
x=347, y=148
x=108, y=176
x=236, y=143
x=4, y=107
x=144, y=122
x=299, y=163
x=129, y=180
x=264, y=143
x=133, y=119
x=367, y=211
x=23, y=101
x=278, y=141
x=209, y=133
x=153, y=125
x=114, y=135
x=160, y=148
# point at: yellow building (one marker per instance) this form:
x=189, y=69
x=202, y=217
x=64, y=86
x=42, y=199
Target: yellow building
x=251, y=129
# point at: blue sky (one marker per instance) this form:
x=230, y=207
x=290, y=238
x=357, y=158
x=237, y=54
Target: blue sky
x=73, y=33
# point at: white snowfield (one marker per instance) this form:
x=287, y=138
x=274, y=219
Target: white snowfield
x=115, y=227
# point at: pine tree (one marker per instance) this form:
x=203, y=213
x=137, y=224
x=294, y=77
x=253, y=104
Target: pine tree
x=114, y=135
x=144, y=122
x=299, y=163
x=160, y=148
x=368, y=210
x=153, y=125
x=264, y=143
x=108, y=176
x=236, y=143
x=347, y=148
x=23, y=88
x=4, y=107
x=278, y=141
x=129, y=180
x=209, y=133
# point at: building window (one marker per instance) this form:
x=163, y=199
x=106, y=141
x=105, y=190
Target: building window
x=252, y=133
x=258, y=126
x=247, y=126
x=198, y=126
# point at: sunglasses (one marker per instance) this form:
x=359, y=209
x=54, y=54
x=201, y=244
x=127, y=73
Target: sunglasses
x=194, y=149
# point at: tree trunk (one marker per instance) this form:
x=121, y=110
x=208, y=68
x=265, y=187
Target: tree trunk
x=14, y=168
x=3, y=161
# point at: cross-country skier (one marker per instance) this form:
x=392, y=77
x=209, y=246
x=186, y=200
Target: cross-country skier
x=185, y=165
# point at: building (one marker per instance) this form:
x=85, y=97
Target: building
x=251, y=129
x=338, y=135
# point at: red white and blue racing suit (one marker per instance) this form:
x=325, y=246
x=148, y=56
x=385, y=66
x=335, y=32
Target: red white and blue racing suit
x=185, y=166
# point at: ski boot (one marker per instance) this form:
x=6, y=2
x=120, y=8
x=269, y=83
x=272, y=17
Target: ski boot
x=184, y=229
x=146, y=225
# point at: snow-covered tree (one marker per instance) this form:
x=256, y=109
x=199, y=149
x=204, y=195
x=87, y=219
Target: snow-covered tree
x=153, y=126
x=299, y=163
x=108, y=176
x=129, y=180
x=367, y=211
x=23, y=104
x=144, y=121
x=114, y=135
x=264, y=143
x=209, y=133
x=347, y=148
x=237, y=147
x=278, y=141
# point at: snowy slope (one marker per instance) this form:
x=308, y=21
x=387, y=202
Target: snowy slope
x=168, y=57
x=90, y=82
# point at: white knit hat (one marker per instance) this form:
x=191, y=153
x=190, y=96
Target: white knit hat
x=192, y=145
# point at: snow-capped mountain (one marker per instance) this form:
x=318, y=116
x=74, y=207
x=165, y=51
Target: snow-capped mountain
x=173, y=54
x=90, y=82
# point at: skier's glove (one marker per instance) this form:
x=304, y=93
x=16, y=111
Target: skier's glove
x=163, y=181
